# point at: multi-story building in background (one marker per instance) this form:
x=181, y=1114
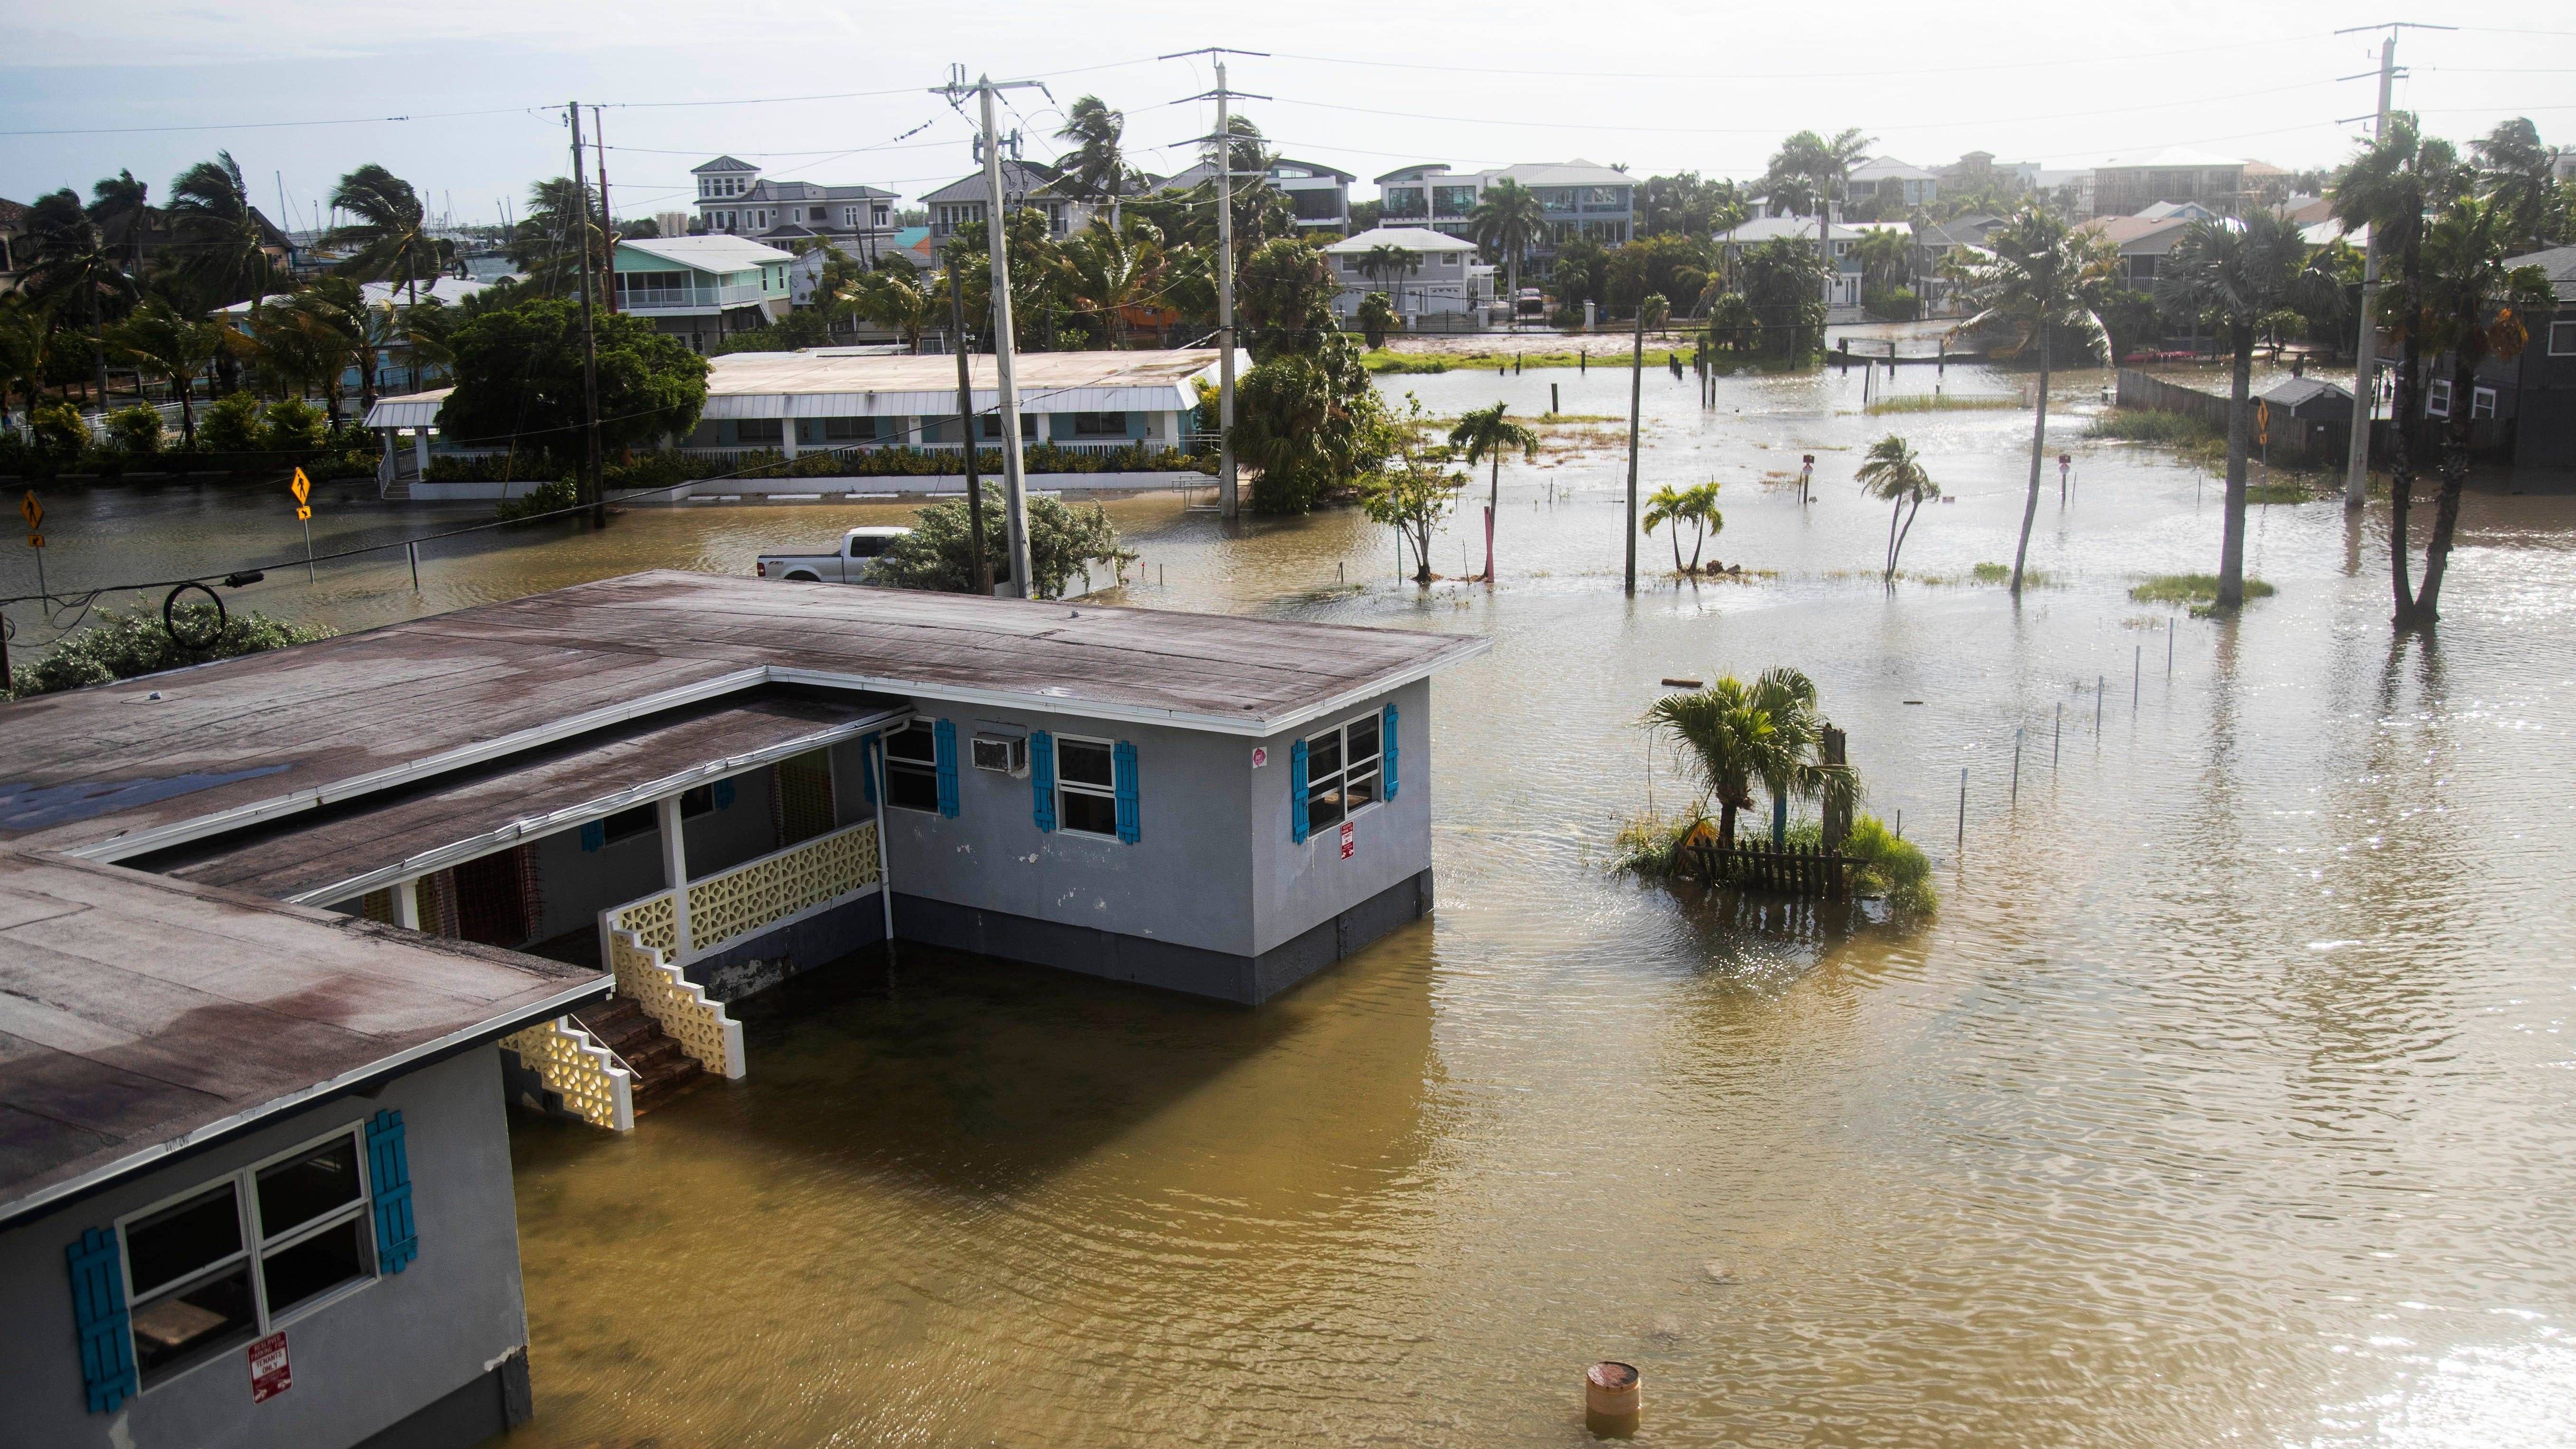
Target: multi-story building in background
x=734, y=199
x=1319, y=194
x=1579, y=198
x=2127, y=186
x=1024, y=184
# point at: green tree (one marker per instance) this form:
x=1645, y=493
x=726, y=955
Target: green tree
x=2232, y=275
x=1096, y=168
x=74, y=263
x=1686, y=205
x=1784, y=285
x=26, y=333
x=223, y=245
x=1810, y=169
x=2042, y=278
x=1580, y=274
x=1376, y=317
x=1670, y=266
x=161, y=342
x=561, y=229
x=519, y=383
x=1895, y=473
x=1038, y=276
x=122, y=208
x=894, y=297
x=1310, y=423
x=1416, y=491
x=1732, y=324
x=1110, y=275
x=2391, y=187
x=1696, y=506
x=2473, y=308
x=2519, y=174
x=391, y=234
x=1729, y=741
x=1508, y=221
x=938, y=554
x=1284, y=299
x=1484, y=435
x=1387, y=259
x=1886, y=258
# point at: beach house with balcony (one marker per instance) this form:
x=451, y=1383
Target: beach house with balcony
x=702, y=288
x=1579, y=198
x=703, y=785
x=1445, y=279
x=734, y=199
x=1318, y=195
x=1024, y=184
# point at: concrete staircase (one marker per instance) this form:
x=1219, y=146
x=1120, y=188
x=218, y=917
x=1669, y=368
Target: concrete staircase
x=661, y=1070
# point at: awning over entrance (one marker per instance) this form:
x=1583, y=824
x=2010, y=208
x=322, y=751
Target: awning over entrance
x=326, y=856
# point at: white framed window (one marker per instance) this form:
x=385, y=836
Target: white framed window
x=880, y=215
x=1086, y=785
x=2482, y=402
x=912, y=768
x=1344, y=771
x=228, y=1261
x=2562, y=339
x=2437, y=398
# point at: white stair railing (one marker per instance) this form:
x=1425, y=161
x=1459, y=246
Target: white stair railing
x=578, y=1069
x=683, y=1009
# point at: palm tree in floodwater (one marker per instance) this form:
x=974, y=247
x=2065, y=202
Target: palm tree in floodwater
x=1895, y=472
x=1486, y=434
x=1696, y=506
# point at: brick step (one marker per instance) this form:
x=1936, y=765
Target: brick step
x=660, y=1070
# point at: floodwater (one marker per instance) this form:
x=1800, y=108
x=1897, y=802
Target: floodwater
x=2228, y=1098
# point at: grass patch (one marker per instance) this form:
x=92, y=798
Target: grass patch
x=2191, y=589
x=1613, y=355
x=1927, y=402
x=1892, y=869
x=2279, y=493
x=2146, y=425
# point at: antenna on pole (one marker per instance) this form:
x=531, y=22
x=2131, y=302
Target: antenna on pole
x=1228, y=478
x=1015, y=492
x=2365, y=352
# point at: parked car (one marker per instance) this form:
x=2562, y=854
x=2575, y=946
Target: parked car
x=852, y=564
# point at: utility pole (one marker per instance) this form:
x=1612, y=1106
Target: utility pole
x=607, y=238
x=1636, y=382
x=983, y=566
x=1015, y=490
x=1228, y=484
x=2365, y=364
x=590, y=488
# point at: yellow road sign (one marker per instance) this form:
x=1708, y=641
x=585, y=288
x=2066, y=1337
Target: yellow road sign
x=32, y=511
x=2262, y=422
x=35, y=540
x=302, y=512
x=302, y=488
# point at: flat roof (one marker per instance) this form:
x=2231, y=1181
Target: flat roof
x=849, y=382
x=117, y=770
x=141, y=1017
x=322, y=856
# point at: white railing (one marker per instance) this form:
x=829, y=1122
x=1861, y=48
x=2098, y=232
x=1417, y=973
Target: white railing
x=663, y=299
x=778, y=889
x=684, y=1011
x=588, y=1076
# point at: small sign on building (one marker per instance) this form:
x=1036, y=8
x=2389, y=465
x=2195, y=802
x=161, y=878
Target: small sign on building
x=1260, y=756
x=1350, y=842
x=269, y=1375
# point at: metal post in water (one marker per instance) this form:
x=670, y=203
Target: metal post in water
x=2137, y=671
x=2057, y=737
x=2169, y=633
x=413, y=549
x=1963, y=807
x=2016, y=786
x=1552, y=407
x=2100, y=684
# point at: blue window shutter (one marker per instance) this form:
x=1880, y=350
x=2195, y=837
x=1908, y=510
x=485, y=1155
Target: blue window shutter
x=1042, y=776
x=1297, y=792
x=98, y=1308
x=868, y=749
x=723, y=794
x=594, y=836
x=1123, y=773
x=389, y=1174
x=1387, y=744
x=944, y=745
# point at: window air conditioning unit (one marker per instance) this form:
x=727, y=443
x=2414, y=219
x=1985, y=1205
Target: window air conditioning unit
x=1003, y=755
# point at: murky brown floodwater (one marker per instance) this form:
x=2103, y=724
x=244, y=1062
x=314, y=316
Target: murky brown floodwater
x=2229, y=1099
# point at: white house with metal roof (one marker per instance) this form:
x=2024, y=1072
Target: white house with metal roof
x=1445, y=276
x=702, y=288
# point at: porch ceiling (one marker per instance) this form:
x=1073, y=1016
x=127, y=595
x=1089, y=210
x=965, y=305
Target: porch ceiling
x=328, y=855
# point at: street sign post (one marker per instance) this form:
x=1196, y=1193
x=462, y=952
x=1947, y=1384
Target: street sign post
x=302, y=488
x=34, y=512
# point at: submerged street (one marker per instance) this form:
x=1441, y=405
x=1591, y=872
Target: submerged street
x=2227, y=1097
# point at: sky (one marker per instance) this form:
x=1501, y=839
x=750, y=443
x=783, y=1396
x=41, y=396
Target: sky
x=465, y=99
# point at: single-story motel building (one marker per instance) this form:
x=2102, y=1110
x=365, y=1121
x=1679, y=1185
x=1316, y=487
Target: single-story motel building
x=867, y=400
x=284, y=936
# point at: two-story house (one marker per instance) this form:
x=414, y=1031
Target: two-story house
x=1843, y=271
x=1578, y=197
x=1024, y=184
x=1890, y=186
x=734, y=200
x=1444, y=275
x=703, y=288
x=2125, y=187
x=1320, y=195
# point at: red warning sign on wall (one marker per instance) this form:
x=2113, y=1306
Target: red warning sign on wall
x=1348, y=840
x=269, y=1376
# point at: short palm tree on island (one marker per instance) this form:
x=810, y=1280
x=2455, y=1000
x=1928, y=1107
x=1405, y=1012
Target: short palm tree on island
x=1696, y=506
x=1894, y=473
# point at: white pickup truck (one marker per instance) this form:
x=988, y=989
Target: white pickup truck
x=857, y=558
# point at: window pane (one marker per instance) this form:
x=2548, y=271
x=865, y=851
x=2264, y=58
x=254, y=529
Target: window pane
x=1095, y=814
x=1359, y=788
x=184, y=1327
x=627, y=824
x=1324, y=805
x=317, y=1265
x=1324, y=755
x=916, y=742
x=1080, y=762
x=1363, y=733
x=697, y=800
x=177, y=1241
x=294, y=1193
x=914, y=787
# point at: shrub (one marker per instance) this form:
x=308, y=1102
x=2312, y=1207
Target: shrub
x=129, y=643
x=938, y=553
x=1895, y=304
x=2191, y=589
x=59, y=432
x=2148, y=425
x=1650, y=845
x=136, y=429
x=1891, y=868
x=544, y=498
x=292, y=426
x=230, y=424
x=661, y=469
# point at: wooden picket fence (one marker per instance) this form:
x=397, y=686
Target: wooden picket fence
x=1796, y=871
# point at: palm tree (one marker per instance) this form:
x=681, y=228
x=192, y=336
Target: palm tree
x=2516, y=169
x=343, y=318
x=1731, y=742
x=2042, y=277
x=159, y=340
x=2233, y=275
x=1387, y=259
x=1895, y=472
x=1696, y=506
x=224, y=245
x=2473, y=309
x=121, y=207
x=1107, y=274
x=1811, y=166
x=560, y=229
x=894, y=298
x=1485, y=435
x=391, y=233
x=1790, y=766
x=73, y=258
x=1096, y=168
x=2391, y=187
x=1885, y=254
x=25, y=332
x=1508, y=221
